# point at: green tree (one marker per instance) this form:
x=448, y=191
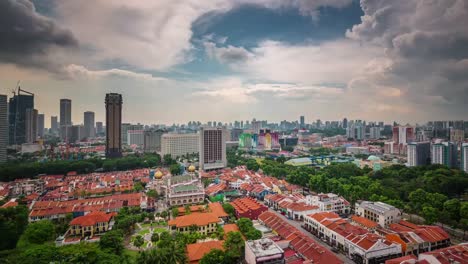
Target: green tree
x=430, y=214
x=175, y=212
x=174, y=169
x=452, y=209
x=215, y=256
x=152, y=193
x=112, y=241
x=13, y=222
x=37, y=233
x=234, y=244
x=138, y=187
x=138, y=241
x=187, y=209
x=252, y=165
x=229, y=209
x=155, y=237
x=168, y=159
x=281, y=159
x=417, y=199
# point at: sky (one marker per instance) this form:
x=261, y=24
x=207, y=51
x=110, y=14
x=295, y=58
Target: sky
x=176, y=61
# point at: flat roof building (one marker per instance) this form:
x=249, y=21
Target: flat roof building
x=179, y=144
x=263, y=251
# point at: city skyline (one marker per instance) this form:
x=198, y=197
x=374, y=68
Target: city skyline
x=233, y=60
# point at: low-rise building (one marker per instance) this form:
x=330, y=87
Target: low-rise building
x=195, y=252
x=92, y=224
x=382, y=213
x=248, y=207
x=26, y=187
x=356, y=242
x=263, y=251
x=204, y=223
x=329, y=202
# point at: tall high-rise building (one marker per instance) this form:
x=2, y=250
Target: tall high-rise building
x=213, y=148
x=152, y=140
x=17, y=116
x=177, y=145
x=113, y=125
x=464, y=157
x=374, y=132
x=3, y=128
x=444, y=153
x=127, y=127
x=76, y=133
x=65, y=112
x=88, y=121
x=235, y=133
x=31, y=125
x=402, y=135
x=457, y=135
x=302, y=121
x=40, y=125
x=419, y=154
x=345, y=123
x=65, y=118
x=256, y=126
x=54, y=125
x=99, y=129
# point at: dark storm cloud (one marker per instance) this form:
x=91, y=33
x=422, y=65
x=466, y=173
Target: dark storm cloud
x=26, y=37
x=426, y=44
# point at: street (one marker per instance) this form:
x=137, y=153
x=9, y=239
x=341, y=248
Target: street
x=320, y=242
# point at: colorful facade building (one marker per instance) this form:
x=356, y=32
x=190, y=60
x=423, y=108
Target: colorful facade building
x=264, y=140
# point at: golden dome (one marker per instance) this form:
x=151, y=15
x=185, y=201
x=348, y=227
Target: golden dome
x=158, y=175
x=191, y=168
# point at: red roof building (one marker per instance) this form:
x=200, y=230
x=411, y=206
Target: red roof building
x=248, y=207
x=303, y=244
x=195, y=252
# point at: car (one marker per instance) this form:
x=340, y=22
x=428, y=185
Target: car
x=334, y=249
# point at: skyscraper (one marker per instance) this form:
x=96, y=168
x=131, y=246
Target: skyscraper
x=152, y=140
x=65, y=118
x=31, y=125
x=302, y=122
x=256, y=126
x=99, y=128
x=54, y=124
x=213, y=148
x=113, y=125
x=17, y=116
x=3, y=128
x=464, y=157
x=40, y=125
x=444, y=153
x=345, y=123
x=419, y=153
x=65, y=112
x=90, y=131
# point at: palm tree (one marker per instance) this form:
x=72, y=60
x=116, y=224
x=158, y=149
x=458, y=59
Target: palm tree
x=175, y=253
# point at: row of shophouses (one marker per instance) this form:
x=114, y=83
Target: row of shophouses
x=375, y=234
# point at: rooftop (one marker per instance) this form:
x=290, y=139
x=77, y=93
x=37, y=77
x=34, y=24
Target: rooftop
x=198, y=219
x=196, y=251
x=264, y=247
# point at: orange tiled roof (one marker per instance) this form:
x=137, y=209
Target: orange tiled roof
x=364, y=221
x=230, y=228
x=196, y=251
x=92, y=219
x=199, y=219
x=217, y=209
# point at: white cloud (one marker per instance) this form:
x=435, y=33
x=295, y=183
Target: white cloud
x=152, y=34
x=227, y=55
x=74, y=71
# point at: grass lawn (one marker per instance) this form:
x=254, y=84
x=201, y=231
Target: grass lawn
x=159, y=230
x=143, y=232
x=132, y=253
x=161, y=223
